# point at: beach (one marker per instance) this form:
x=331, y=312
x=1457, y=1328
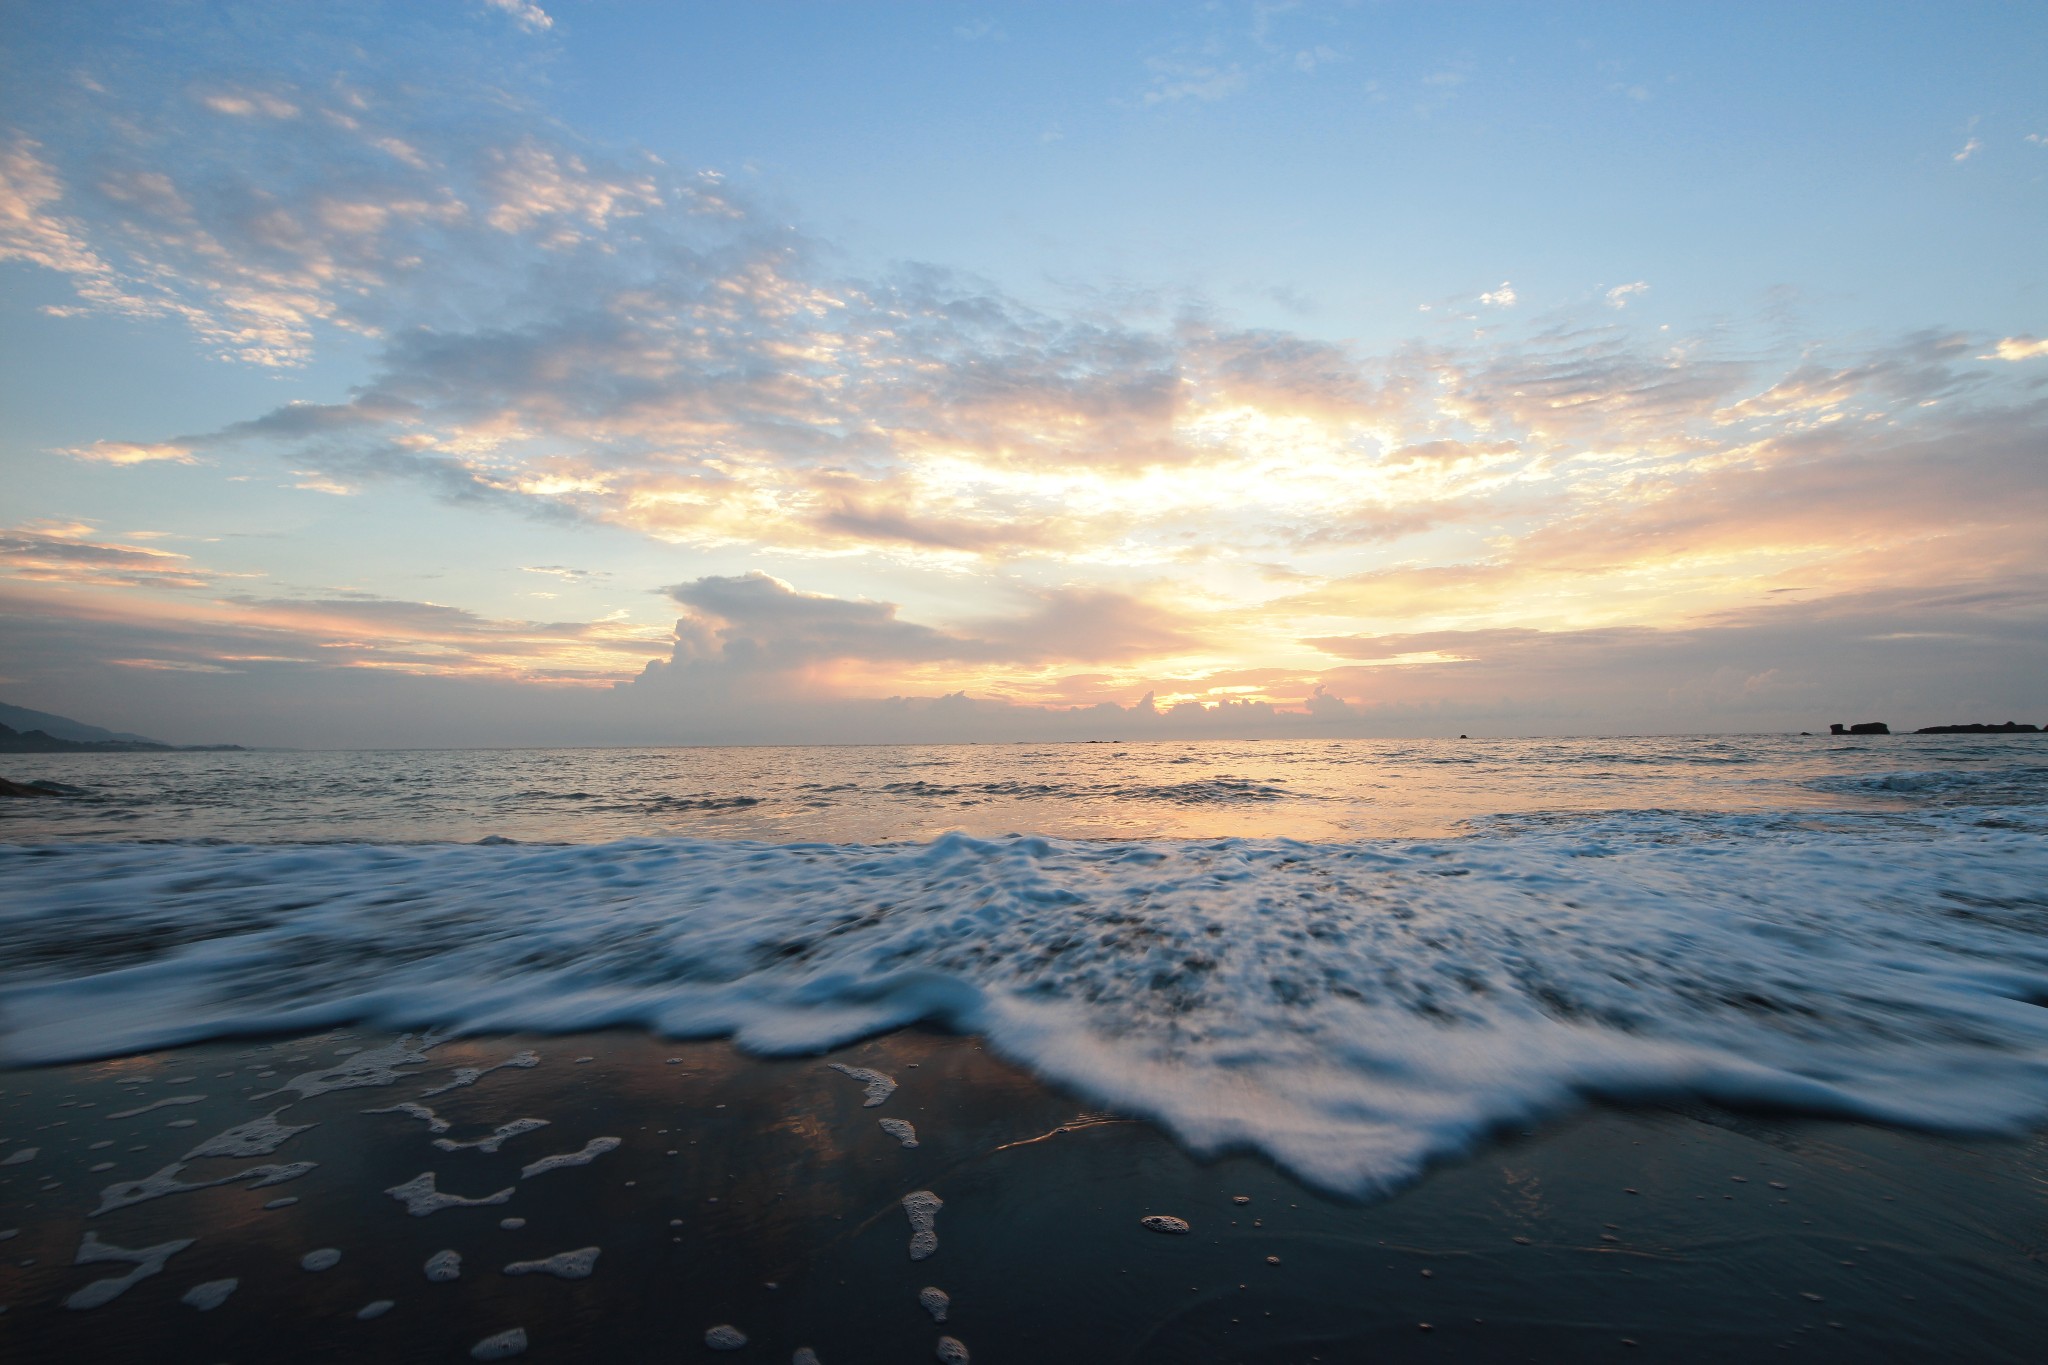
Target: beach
x=763, y=1194
x=1634, y=1049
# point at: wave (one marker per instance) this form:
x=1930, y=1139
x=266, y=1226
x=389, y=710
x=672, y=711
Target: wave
x=1354, y=1011
x=2016, y=784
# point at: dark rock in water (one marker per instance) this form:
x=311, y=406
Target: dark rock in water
x=8, y=788
x=1868, y=727
x=1979, y=728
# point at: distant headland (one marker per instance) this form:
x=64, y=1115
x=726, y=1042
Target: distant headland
x=1878, y=727
x=23, y=731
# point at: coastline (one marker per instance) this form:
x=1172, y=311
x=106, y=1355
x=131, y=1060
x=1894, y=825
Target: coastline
x=1653, y=1233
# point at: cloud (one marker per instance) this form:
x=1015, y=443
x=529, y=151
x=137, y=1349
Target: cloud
x=524, y=13
x=249, y=103
x=760, y=628
x=1969, y=149
x=1174, y=80
x=130, y=452
x=2017, y=348
x=61, y=553
x=1076, y=507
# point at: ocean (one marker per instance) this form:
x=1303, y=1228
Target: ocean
x=1355, y=958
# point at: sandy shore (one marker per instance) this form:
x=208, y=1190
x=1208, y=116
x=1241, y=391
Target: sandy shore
x=765, y=1195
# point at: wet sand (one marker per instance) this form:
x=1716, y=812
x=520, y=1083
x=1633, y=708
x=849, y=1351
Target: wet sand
x=766, y=1197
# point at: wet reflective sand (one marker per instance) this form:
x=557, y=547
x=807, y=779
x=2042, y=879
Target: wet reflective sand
x=764, y=1196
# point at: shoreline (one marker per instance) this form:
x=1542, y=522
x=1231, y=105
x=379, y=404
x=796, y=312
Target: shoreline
x=1686, y=1231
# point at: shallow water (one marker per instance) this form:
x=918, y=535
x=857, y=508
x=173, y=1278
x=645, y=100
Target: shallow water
x=1356, y=958
x=857, y=794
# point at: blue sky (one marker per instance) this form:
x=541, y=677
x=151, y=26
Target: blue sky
x=1376, y=367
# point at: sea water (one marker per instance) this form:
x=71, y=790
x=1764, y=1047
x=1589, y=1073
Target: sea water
x=1355, y=957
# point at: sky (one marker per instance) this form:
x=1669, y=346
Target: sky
x=485, y=372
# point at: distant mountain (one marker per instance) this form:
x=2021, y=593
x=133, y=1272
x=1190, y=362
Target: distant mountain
x=23, y=731
x=61, y=727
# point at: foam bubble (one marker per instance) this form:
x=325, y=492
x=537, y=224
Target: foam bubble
x=148, y=1261
x=502, y=1346
x=495, y=1140
x=725, y=1337
x=470, y=1075
x=589, y=1152
x=444, y=1266
x=257, y=1137
x=563, y=1265
x=421, y=1198
x=903, y=1131
x=326, y=1258
x=935, y=1301
x=1164, y=1222
x=164, y=1182
x=376, y=1067
x=435, y=1123
x=879, y=1085
x=375, y=1308
x=209, y=1296
x=951, y=1351
x=923, y=1207
x=21, y=1157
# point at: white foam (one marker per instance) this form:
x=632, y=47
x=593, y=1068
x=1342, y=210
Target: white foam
x=563, y=1265
x=880, y=1086
x=935, y=1301
x=1352, y=1010
x=421, y=1198
x=209, y=1296
x=470, y=1075
x=901, y=1129
x=148, y=1261
x=257, y=1137
x=951, y=1351
x=326, y=1258
x=923, y=1207
x=583, y=1156
x=21, y=1157
x=444, y=1266
x=378, y=1066
x=435, y=1123
x=375, y=1308
x=500, y=1346
x=165, y=1181
x=725, y=1337
x=495, y=1140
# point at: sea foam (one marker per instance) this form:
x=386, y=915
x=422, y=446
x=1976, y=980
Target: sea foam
x=1352, y=1009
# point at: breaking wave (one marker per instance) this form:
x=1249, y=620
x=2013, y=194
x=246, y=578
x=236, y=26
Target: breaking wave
x=1352, y=1009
